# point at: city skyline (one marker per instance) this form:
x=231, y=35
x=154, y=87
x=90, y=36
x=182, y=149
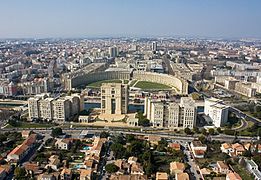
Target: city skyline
x=67, y=19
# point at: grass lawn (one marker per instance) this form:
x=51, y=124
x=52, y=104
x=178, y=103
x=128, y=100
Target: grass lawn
x=125, y=81
x=30, y=125
x=99, y=83
x=244, y=174
x=132, y=82
x=151, y=85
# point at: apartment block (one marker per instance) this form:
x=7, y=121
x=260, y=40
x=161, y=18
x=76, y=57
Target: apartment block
x=58, y=109
x=171, y=114
x=217, y=111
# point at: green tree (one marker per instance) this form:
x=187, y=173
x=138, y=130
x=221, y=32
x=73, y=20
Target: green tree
x=118, y=150
x=104, y=134
x=187, y=130
x=211, y=131
x=19, y=173
x=204, y=131
x=219, y=130
x=196, y=130
x=56, y=132
x=111, y=168
x=162, y=145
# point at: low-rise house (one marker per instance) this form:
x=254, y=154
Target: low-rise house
x=26, y=133
x=198, y=149
x=132, y=160
x=66, y=174
x=222, y=167
x=252, y=167
x=182, y=176
x=64, y=144
x=233, y=176
x=205, y=171
x=54, y=163
x=162, y=176
x=128, y=177
x=51, y=176
x=175, y=146
x=226, y=148
x=85, y=174
x=32, y=168
x=18, y=153
x=137, y=168
x=238, y=149
x=176, y=167
x=153, y=139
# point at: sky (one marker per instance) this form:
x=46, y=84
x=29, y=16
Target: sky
x=133, y=18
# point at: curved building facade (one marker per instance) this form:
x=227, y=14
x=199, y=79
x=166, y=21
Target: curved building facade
x=179, y=84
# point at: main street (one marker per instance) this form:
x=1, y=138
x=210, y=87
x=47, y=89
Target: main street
x=118, y=130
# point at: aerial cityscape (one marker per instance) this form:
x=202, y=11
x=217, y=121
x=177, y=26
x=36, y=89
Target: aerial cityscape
x=130, y=90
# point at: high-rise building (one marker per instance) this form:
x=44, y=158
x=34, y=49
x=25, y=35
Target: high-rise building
x=60, y=109
x=113, y=51
x=114, y=98
x=154, y=46
x=217, y=111
x=171, y=114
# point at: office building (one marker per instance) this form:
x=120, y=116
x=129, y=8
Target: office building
x=114, y=98
x=171, y=114
x=217, y=111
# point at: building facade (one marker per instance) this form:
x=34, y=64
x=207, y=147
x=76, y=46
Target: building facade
x=217, y=111
x=114, y=98
x=58, y=109
x=171, y=114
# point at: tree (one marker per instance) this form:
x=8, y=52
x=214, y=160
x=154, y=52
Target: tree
x=162, y=145
x=130, y=138
x=104, y=134
x=118, y=150
x=204, y=131
x=219, y=130
x=144, y=122
x=111, y=168
x=211, y=131
x=196, y=130
x=56, y=132
x=19, y=173
x=187, y=130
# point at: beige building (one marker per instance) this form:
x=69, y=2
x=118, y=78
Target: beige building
x=245, y=89
x=171, y=114
x=58, y=109
x=114, y=98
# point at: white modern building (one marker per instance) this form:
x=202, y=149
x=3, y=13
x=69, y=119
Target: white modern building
x=171, y=114
x=217, y=111
x=58, y=109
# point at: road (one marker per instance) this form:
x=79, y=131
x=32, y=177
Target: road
x=118, y=130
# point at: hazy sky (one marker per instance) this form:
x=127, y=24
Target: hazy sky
x=91, y=18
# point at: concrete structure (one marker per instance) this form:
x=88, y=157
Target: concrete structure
x=252, y=167
x=113, y=51
x=217, y=111
x=179, y=84
x=114, y=98
x=245, y=89
x=171, y=114
x=58, y=109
